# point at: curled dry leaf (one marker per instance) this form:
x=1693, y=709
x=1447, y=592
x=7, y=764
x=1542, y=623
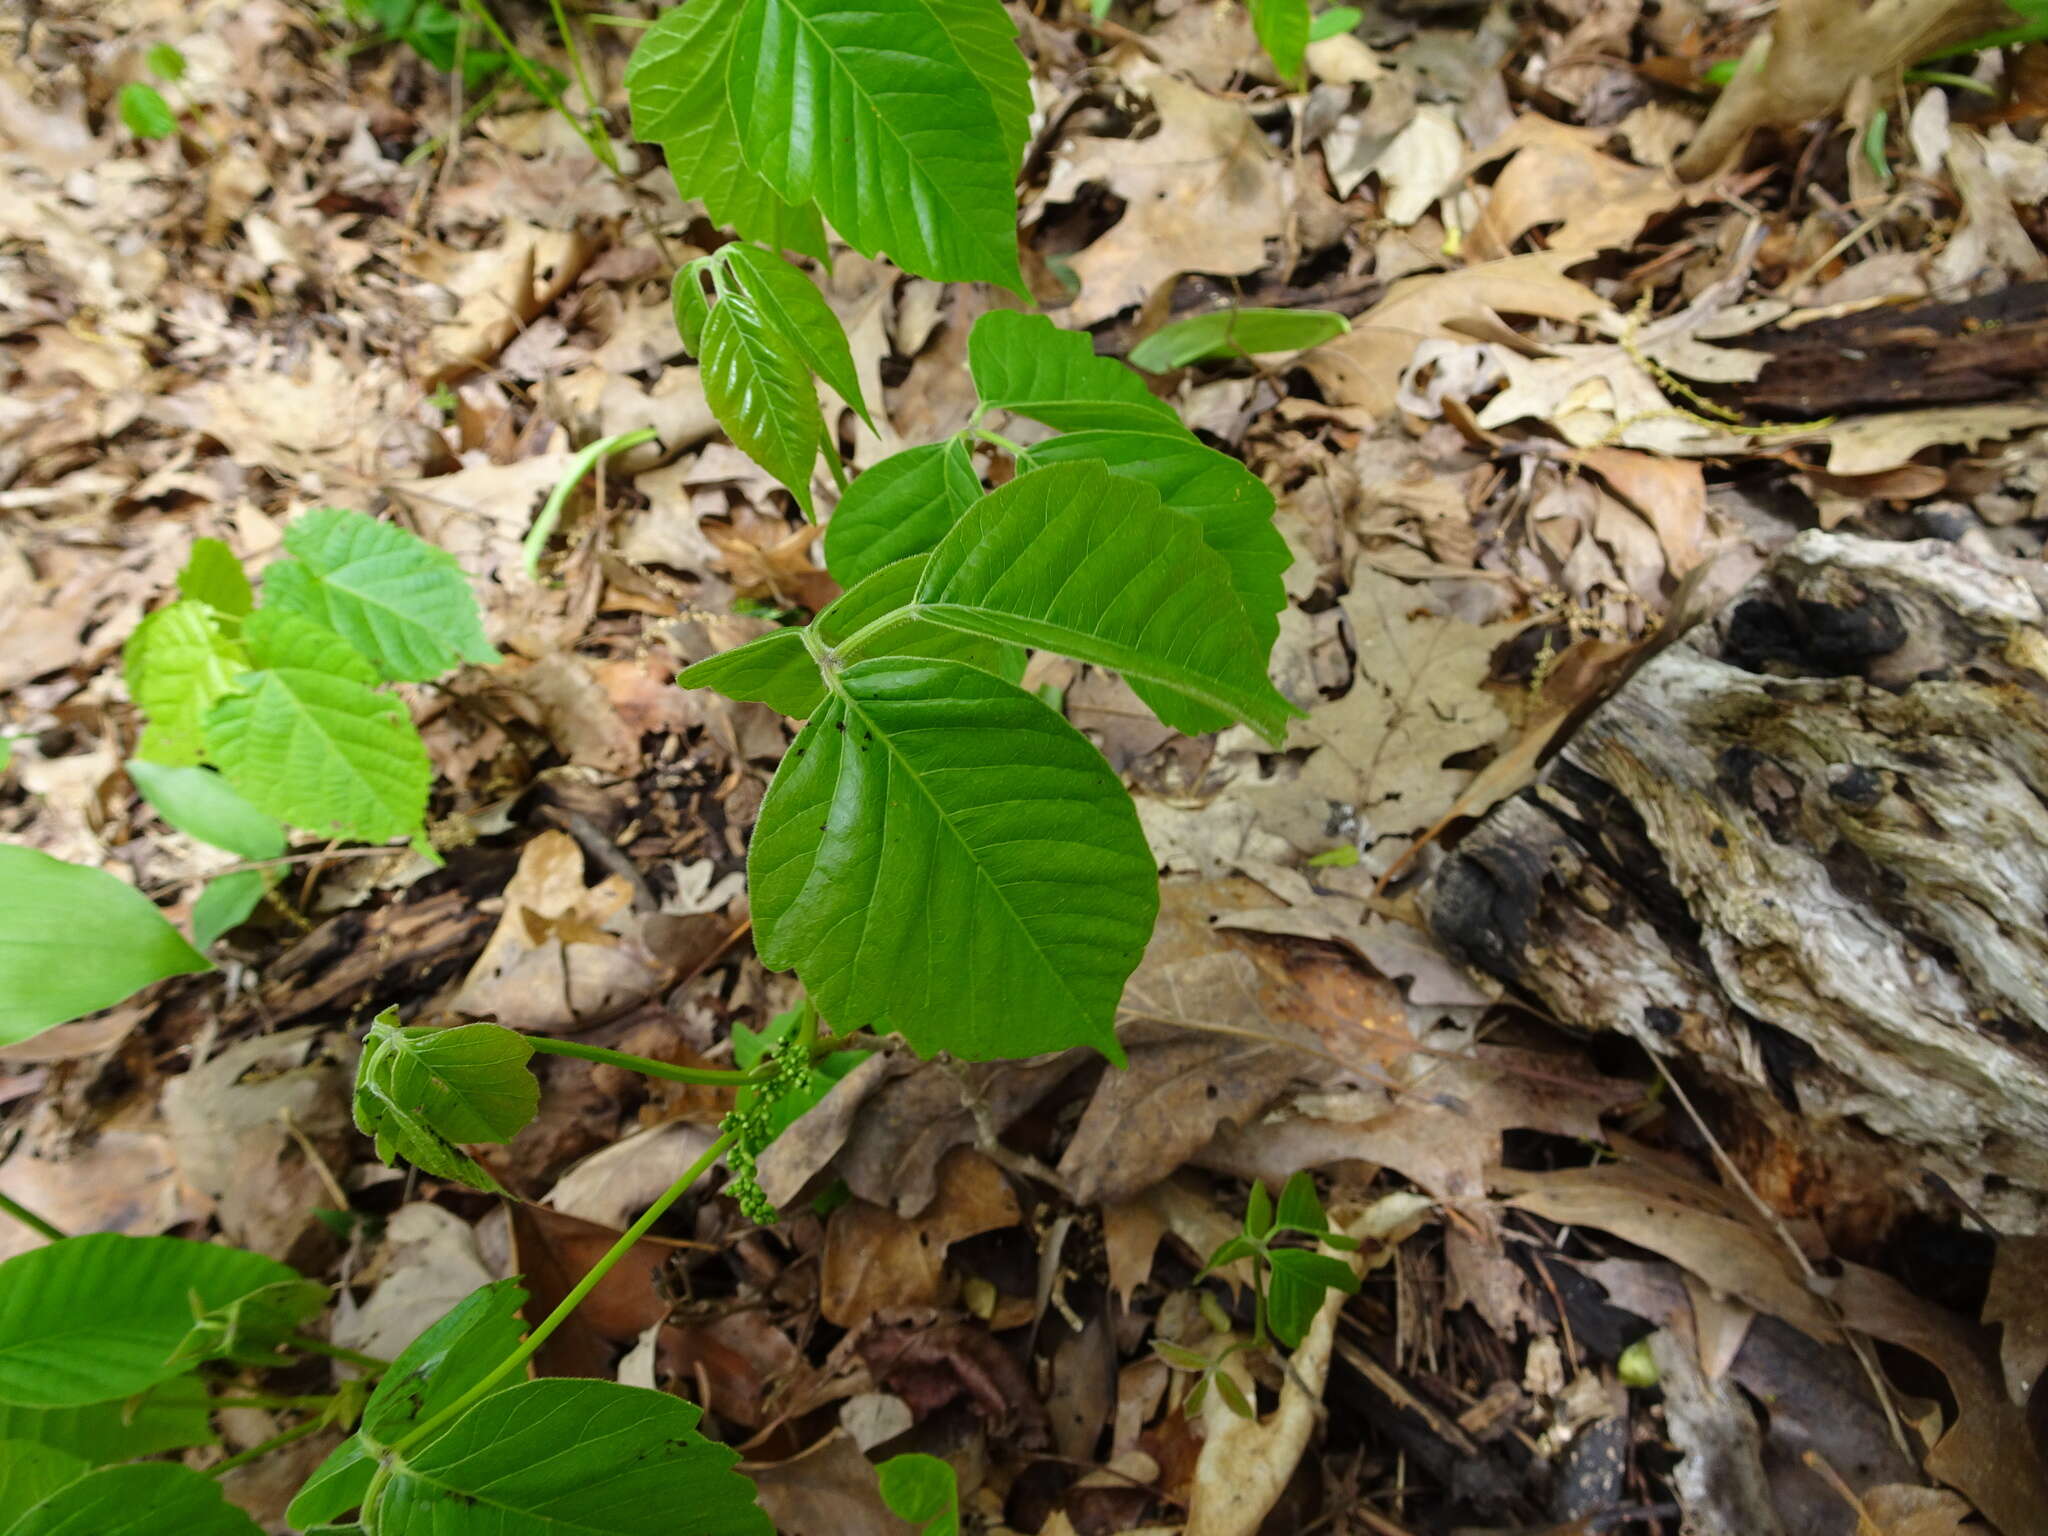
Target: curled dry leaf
x=875, y=1260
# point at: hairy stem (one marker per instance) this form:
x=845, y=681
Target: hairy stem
x=264, y=1448
x=1014, y=449
x=28, y=1218
x=715, y=1077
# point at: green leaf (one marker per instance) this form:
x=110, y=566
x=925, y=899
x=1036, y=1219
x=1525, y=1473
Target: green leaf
x=750, y=1047
x=676, y=85
x=1026, y=365
x=178, y=663
x=153, y=1498
x=165, y=62
x=881, y=117
x=144, y=112
x=312, y=742
x=202, y=804
x=570, y=1458
x=419, y=1091
x=1258, y=1212
x=1229, y=1252
x=1235, y=333
x=212, y=575
x=165, y=1418
x=987, y=40
x=75, y=940
x=1233, y=1395
x=761, y=393
x=1295, y=1292
x=1282, y=27
x=791, y=303
x=941, y=855
x=885, y=592
x=397, y=599
x=453, y=1355
x=775, y=669
x=225, y=903
x=1299, y=1209
x=1073, y=559
x=923, y=1490
x=1335, y=22
x=56, y=1352
x=686, y=295
x=30, y=1473
x=1179, y=1356
x=901, y=507
x=255, y=1329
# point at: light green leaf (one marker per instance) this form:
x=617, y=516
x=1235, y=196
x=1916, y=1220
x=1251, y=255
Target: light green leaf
x=892, y=588
x=75, y=940
x=165, y=1418
x=212, y=575
x=791, y=303
x=393, y=596
x=901, y=507
x=30, y=1473
x=1334, y=22
x=1282, y=27
x=58, y=1353
x=153, y=1498
x=941, y=855
x=453, y=1355
x=178, y=663
x=761, y=393
x=1235, y=333
x=775, y=669
x=676, y=86
x=144, y=112
x=923, y=1490
x=165, y=62
x=878, y=114
x=1028, y=366
x=1073, y=559
x=202, y=804
x=312, y=743
x=570, y=1458
x=419, y=1091
x=1299, y=1209
x=225, y=903
x=1235, y=511
x=1258, y=1212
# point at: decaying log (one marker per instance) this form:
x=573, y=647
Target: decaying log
x=1887, y=359
x=1806, y=849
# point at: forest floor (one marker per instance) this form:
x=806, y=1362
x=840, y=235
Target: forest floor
x=1565, y=408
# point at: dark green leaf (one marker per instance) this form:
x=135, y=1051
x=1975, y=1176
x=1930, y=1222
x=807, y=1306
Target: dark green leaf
x=901, y=507
x=165, y=1418
x=791, y=303
x=775, y=669
x=212, y=575
x=878, y=114
x=401, y=602
x=1073, y=559
x=1258, y=1211
x=922, y=1490
x=153, y=1498
x=202, y=804
x=75, y=940
x=1028, y=366
x=56, y=1352
x=225, y=903
x=1317, y=1269
x=761, y=393
x=419, y=1091
x=1282, y=27
x=885, y=592
x=570, y=1458
x=941, y=855
x=1233, y=1395
x=676, y=83
x=31, y=1472
x=691, y=307
x=1295, y=1291
x=1300, y=1210
x=1235, y=333
x=1230, y=1251
x=144, y=112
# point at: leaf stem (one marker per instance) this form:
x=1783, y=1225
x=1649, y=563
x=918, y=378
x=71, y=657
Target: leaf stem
x=28, y=1218
x=716, y=1077
x=568, y=1304
x=264, y=1448
x=1014, y=449
x=590, y=102
x=551, y=510
x=833, y=461
x=848, y=650
x=600, y=144
x=355, y=1357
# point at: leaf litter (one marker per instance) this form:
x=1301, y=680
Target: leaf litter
x=1506, y=484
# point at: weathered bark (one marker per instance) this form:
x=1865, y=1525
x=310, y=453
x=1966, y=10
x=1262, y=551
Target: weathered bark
x=1806, y=849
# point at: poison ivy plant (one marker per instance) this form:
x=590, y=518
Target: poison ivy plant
x=1235, y=333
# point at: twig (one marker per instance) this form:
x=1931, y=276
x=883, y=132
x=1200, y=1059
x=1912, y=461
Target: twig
x=28, y=1218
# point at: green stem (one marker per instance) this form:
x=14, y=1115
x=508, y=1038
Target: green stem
x=551, y=510
x=556, y=1318
x=312, y=1346
x=28, y=1218
x=431, y=147
x=833, y=461
x=849, y=649
x=590, y=101
x=318, y=1404
x=600, y=144
x=256, y=1452
x=1014, y=449
x=716, y=1077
